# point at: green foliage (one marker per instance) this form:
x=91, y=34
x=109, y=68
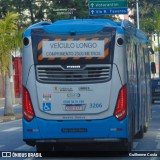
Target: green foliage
x=151, y=24
x=157, y=49
x=146, y=11
x=32, y=11
x=8, y=29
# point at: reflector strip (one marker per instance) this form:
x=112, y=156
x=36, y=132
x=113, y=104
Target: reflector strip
x=70, y=39
x=76, y=58
x=40, y=43
x=82, y=39
x=106, y=41
x=52, y=58
x=106, y=52
x=88, y=58
x=57, y=39
x=40, y=57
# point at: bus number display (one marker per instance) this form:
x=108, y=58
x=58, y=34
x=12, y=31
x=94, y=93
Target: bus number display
x=96, y=105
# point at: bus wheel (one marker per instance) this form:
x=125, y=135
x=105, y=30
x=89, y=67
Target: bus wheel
x=140, y=134
x=130, y=141
x=41, y=147
x=127, y=145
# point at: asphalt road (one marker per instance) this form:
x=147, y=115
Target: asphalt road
x=11, y=141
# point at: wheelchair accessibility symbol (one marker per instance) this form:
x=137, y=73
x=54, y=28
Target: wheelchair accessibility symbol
x=46, y=106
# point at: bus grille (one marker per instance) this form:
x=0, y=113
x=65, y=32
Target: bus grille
x=88, y=74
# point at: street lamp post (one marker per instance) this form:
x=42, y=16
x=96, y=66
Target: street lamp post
x=137, y=8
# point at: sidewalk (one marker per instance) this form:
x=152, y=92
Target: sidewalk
x=2, y=101
x=10, y=118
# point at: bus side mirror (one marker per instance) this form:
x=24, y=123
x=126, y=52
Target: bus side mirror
x=153, y=67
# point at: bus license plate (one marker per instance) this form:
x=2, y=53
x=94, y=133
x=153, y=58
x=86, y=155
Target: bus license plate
x=74, y=107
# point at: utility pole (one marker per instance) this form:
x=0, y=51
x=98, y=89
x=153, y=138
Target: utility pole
x=137, y=8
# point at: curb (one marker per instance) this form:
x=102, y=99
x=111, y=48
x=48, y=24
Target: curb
x=10, y=118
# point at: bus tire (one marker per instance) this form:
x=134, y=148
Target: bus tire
x=127, y=145
x=140, y=134
x=130, y=141
x=42, y=147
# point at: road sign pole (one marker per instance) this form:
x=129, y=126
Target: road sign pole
x=137, y=8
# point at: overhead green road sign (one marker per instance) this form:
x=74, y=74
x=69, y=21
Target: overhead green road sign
x=104, y=7
x=107, y=4
x=96, y=12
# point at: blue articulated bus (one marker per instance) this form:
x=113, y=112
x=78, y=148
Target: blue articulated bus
x=85, y=80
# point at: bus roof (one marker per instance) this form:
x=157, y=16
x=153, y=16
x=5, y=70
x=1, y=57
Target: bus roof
x=103, y=22
x=87, y=26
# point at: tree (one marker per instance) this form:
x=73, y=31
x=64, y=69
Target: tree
x=8, y=29
x=145, y=9
x=32, y=11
